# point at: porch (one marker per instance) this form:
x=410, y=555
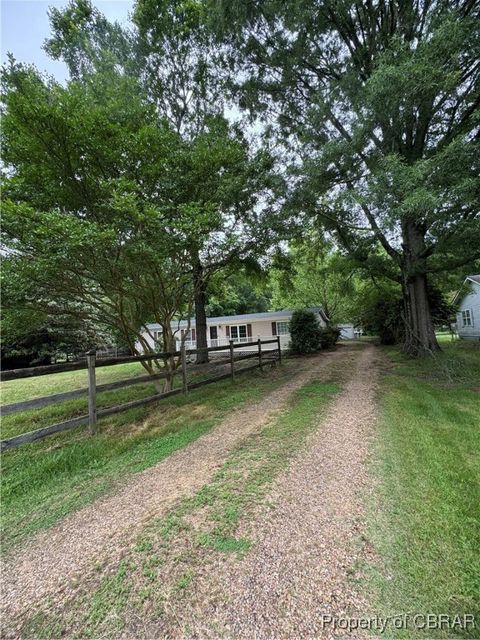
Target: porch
x=249, y=341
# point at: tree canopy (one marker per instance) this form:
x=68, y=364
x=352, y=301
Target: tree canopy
x=170, y=53
x=313, y=273
x=379, y=106
x=104, y=201
x=128, y=189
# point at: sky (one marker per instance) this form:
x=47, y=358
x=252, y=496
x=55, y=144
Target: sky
x=25, y=26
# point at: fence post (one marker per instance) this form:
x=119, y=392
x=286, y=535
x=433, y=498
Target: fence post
x=184, y=369
x=279, y=350
x=92, y=391
x=232, y=370
x=260, y=354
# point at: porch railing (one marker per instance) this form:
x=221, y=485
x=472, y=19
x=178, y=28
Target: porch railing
x=249, y=341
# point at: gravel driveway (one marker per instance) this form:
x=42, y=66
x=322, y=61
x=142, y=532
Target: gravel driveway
x=308, y=540
x=50, y=564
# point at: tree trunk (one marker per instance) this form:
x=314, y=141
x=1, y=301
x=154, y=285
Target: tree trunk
x=152, y=370
x=169, y=363
x=420, y=339
x=200, y=312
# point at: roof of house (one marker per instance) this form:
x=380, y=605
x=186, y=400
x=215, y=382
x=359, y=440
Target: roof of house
x=285, y=314
x=475, y=279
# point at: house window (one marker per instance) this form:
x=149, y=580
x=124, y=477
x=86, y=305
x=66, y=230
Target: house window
x=157, y=336
x=239, y=332
x=467, y=318
x=282, y=328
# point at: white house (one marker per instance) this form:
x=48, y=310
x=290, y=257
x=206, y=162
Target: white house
x=468, y=316
x=349, y=332
x=246, y=328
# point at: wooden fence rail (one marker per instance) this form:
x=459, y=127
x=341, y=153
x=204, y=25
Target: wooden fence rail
x=91, y=391
x=44, y=401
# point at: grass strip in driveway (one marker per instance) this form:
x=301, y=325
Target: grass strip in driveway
x=161, y=569
x=425, y=521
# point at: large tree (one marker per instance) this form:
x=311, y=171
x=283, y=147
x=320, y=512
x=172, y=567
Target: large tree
x=108, y=209
x=378, y=103
x=103, y=201
x=222, y=169
x=94, y=211
x=171, y=54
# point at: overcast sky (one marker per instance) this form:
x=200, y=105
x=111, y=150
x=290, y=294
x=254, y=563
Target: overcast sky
x=25, y=26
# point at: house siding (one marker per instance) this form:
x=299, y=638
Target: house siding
x=347, y=331
x=470, y=301
x=259, y=329
x=256, y=328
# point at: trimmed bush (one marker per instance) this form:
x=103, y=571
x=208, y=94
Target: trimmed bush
x=329, y=336
x=305, y=332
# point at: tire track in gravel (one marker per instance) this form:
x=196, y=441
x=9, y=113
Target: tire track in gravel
x=307, y=547
x=51, y=563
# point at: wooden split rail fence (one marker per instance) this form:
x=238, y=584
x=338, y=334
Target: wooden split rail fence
x=92, y=363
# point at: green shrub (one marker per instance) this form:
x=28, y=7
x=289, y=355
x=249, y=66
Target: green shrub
x=304, y=332
x=329, y=336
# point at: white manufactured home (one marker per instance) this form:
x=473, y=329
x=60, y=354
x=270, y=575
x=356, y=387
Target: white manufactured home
x=468, y=315
x=247, y=328
x=349, y=331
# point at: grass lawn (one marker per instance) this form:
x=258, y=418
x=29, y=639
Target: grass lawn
x=425, y=520
x=29, y=388
x=45, y=480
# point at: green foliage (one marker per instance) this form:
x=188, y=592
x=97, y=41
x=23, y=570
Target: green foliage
x=25, y=338
x=378, y=104
x=179, y=62
x=443, y=310
x=305, y=332
x=379, y=310
x=329, y=337
x=31, y=337
x=235, y=294
x=114, y=205
x=100, y=237
x=172, y=57
x=313, y=274
x=84, y=39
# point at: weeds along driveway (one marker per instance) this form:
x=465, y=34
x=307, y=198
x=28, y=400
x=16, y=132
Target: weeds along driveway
x=54, y=560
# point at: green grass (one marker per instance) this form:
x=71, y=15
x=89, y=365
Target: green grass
x=425, y=520
x=46, y=480
x=163, y=564
x=29, y=388
x=25, y=421
x=445, y=337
